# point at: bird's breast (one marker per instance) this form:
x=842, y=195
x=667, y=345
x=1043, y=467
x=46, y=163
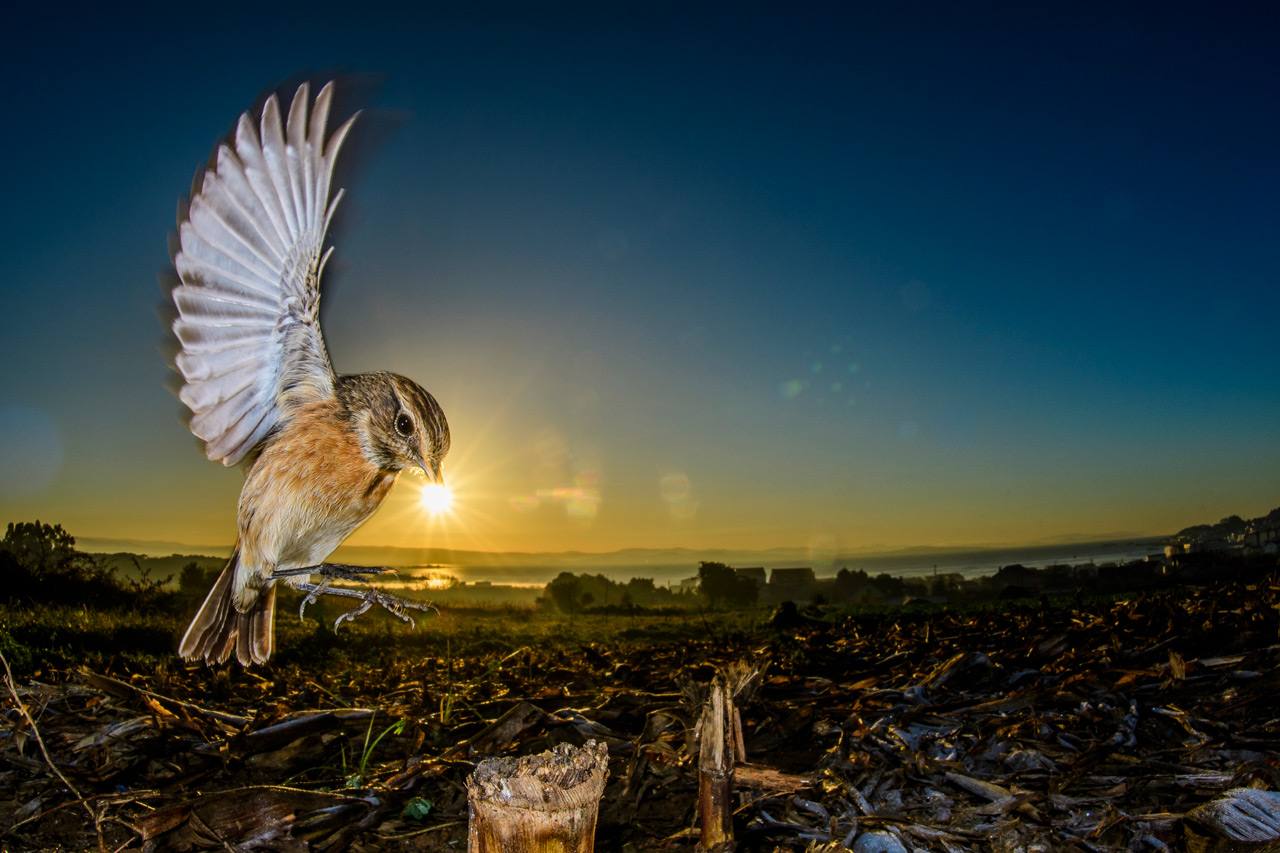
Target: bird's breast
x=308, y=490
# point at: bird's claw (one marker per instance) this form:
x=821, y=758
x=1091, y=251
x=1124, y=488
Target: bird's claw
x=396, y=606
x=312, y=596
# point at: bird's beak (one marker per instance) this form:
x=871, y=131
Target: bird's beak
x=431, y=469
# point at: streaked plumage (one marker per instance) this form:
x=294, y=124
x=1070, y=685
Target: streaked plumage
x=323, y=450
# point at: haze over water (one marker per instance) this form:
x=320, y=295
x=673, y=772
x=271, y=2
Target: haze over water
x=967, y=563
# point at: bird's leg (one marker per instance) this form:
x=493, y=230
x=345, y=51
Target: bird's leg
x=340, y=571
x=312, y=595
x=397, y=607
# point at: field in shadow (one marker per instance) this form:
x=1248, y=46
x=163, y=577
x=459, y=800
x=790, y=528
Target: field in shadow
x=1079, y=722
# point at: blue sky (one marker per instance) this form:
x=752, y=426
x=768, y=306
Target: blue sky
x=741, y=279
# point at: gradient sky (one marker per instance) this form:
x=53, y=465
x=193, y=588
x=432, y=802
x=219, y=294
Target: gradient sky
x=743, y=280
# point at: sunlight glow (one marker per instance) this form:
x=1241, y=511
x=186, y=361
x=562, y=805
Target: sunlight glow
x=406, y=519
x=436, y=498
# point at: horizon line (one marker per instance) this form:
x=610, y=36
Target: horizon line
x=879, y=549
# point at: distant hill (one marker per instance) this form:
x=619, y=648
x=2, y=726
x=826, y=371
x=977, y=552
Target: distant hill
x=150, y=547
x=1229, y=529
x=129, y=565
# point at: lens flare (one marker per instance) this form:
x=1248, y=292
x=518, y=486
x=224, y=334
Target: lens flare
x=436, y=498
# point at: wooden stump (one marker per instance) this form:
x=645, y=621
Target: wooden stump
x=544, y=803
x=721, y=747
x=716, y=748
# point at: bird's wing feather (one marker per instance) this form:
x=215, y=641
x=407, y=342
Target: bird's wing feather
x=250, y=260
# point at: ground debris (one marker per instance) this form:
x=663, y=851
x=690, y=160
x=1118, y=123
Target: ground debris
x=261, y=817
x=1149, y=722
x=1242, y=814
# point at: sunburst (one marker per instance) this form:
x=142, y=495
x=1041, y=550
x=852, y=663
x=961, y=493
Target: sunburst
x=436, y=498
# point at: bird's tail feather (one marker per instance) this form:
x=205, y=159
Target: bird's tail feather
x=218, y=628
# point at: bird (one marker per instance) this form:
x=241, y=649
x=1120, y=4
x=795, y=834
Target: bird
x=319, y=450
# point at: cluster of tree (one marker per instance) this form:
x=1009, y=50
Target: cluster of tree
x=721, y=586
x=862, y=588
x=1232, y=525
x=853, y=586
x=1018, y=581
x=571, y=593
x=194, y=581
x=40, y=564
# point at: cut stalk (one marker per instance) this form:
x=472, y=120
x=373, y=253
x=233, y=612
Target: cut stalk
x=716, y=749
x=544, y=803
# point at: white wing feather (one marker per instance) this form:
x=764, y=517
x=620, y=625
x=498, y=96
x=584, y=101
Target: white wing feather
x=250, y=263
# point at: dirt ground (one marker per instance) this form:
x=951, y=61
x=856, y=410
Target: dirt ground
x=1114, y=724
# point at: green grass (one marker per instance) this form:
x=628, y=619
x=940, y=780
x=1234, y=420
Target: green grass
x=356, y=776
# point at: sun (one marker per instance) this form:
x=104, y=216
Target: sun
x=436, y=498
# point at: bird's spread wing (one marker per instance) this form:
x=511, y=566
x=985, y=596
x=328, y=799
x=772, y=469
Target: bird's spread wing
x=250, y=263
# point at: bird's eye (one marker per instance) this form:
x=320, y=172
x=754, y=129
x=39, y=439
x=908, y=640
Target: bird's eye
x=404, y=425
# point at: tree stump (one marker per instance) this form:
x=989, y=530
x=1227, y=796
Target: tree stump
x=544, y=803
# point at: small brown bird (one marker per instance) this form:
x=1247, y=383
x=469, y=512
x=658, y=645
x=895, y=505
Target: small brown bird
x=322, y=450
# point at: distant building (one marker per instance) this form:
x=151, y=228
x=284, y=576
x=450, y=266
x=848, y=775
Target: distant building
x=755, y=573
x=1263, y=535
x=1215, y=542
x=688, y=585
x=1232, y=535
x=792, y=584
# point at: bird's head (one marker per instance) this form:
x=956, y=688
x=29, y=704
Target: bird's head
x=398, y=423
